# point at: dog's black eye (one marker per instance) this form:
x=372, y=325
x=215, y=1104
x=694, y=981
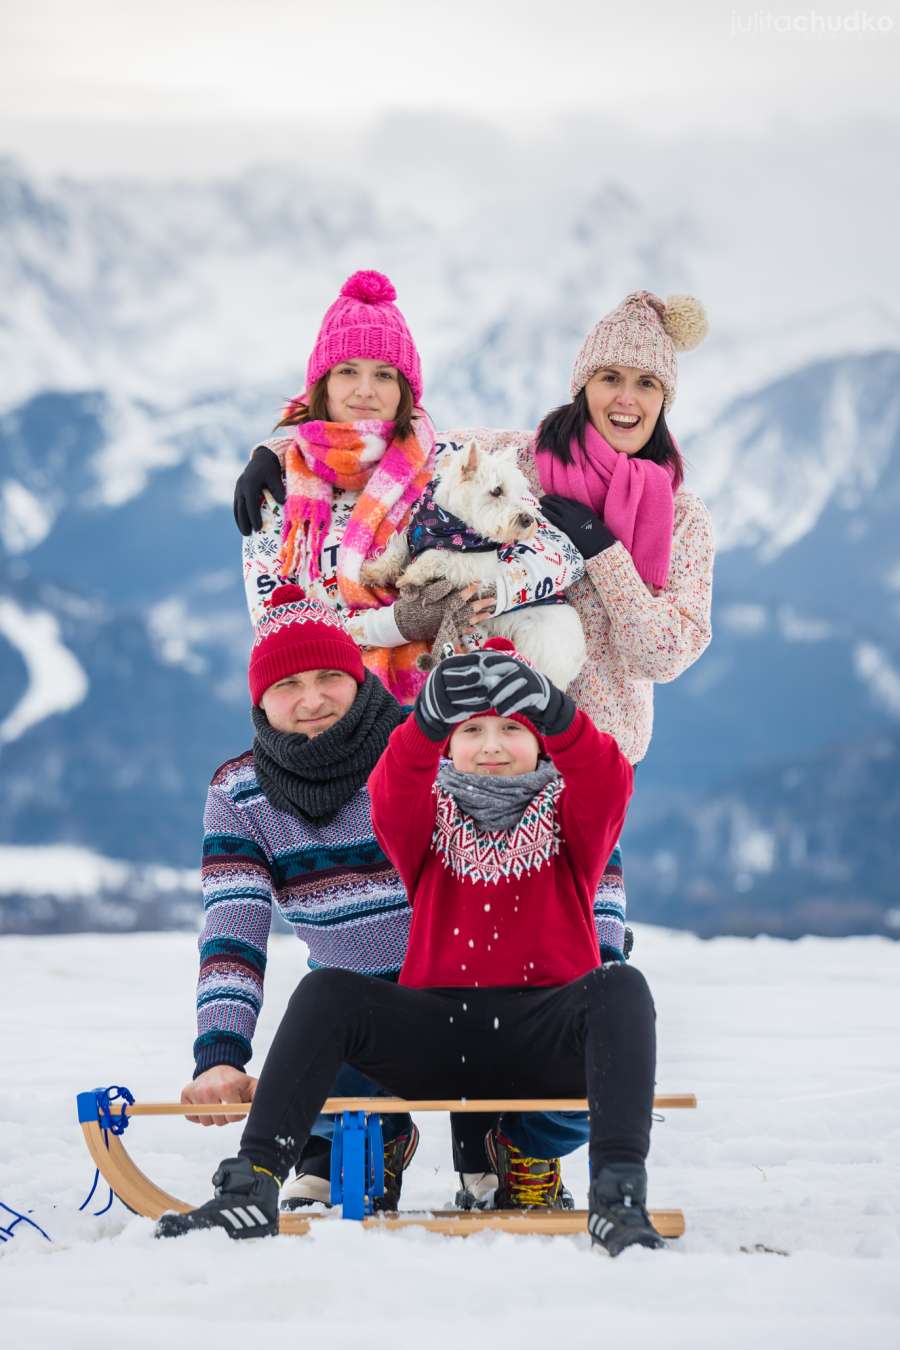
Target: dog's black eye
x=497, y=492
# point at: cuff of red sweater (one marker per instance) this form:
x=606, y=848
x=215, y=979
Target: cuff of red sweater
x=411, y=739
x=567, y=738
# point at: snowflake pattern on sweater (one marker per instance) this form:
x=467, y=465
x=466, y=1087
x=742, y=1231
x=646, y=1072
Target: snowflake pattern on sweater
x=332, y=883
x=474, y=854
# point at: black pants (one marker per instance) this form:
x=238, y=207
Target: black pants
x=595, y=1037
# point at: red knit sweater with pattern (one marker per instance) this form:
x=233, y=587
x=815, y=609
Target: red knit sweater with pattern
x=501, y=908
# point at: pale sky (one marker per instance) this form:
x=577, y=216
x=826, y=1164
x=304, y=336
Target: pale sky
x=77, y=77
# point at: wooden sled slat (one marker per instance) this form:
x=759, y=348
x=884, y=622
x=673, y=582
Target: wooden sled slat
x=467, y=1223
x=129, y=1183
x=394, y=1105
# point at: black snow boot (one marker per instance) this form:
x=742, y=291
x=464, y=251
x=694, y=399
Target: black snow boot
x=618, y=1216
x=245, y=1204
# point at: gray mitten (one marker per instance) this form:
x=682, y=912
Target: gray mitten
x=418, y=610
x=454, y=635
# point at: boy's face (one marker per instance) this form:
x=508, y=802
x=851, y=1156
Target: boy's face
x=494, y=746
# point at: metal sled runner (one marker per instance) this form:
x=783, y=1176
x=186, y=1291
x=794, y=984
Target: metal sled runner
x=356, y=1164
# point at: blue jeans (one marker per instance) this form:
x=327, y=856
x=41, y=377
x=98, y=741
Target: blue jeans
x=547, y=1134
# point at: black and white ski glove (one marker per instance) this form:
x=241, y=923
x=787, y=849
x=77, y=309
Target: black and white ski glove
x=514, y=687
x=263, y=472
x=585, y=529
x=464, y=686
x=452, y=693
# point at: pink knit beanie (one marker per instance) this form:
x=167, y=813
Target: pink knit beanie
x=646, y=333
x=364, y=324
x=295, y=634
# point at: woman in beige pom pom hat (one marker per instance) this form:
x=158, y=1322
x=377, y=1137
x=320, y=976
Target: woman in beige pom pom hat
x=612, y=477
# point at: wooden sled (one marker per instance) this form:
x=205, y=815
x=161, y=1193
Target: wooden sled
x=103, y=1120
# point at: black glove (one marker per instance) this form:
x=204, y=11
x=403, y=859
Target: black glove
x=512, y=686
x=452, y=693
x=263, y=471
x=585, y=529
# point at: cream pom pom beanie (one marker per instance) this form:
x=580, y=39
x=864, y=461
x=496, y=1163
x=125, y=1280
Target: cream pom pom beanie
x=645, y=332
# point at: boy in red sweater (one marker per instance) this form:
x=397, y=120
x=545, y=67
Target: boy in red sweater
x=502, y=992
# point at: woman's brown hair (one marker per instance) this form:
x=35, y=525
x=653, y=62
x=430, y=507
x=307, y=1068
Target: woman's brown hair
x=316, y=410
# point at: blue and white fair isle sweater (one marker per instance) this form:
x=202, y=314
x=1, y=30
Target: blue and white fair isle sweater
x=331, y=882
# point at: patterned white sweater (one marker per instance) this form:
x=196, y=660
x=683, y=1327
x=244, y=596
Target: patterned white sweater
x=547, y=565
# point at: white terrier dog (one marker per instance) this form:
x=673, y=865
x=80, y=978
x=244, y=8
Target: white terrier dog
x=490, y=496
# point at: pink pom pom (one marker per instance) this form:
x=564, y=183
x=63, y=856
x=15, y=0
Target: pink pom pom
x=373, y=288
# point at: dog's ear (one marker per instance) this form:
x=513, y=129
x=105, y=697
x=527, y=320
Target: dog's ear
x=470, y=463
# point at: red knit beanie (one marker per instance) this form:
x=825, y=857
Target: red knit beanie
x=296, y=634
x=507, y=648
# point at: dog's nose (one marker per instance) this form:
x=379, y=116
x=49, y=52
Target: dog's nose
x=525, y=520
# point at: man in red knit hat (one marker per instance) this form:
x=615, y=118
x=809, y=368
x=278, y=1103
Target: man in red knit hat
x=288, y=827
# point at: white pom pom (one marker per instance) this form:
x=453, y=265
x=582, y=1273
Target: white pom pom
x=685, y=322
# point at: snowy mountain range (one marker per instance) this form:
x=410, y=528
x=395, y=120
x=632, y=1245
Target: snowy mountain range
x=151, y=332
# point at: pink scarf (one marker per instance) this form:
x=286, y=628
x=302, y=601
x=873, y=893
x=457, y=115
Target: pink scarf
x=634, y=497
x=388, y=473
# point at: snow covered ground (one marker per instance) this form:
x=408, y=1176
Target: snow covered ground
x=793, y=1050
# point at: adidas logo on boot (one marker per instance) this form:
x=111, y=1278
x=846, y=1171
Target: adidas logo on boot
x=245, y=1204
x=618, y=1216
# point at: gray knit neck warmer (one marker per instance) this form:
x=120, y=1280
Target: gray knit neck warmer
x=494, y=803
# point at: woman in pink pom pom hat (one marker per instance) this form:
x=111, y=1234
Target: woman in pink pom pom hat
x=359, y=453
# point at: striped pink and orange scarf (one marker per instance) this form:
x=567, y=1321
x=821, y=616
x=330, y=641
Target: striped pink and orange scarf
x=390, y=475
